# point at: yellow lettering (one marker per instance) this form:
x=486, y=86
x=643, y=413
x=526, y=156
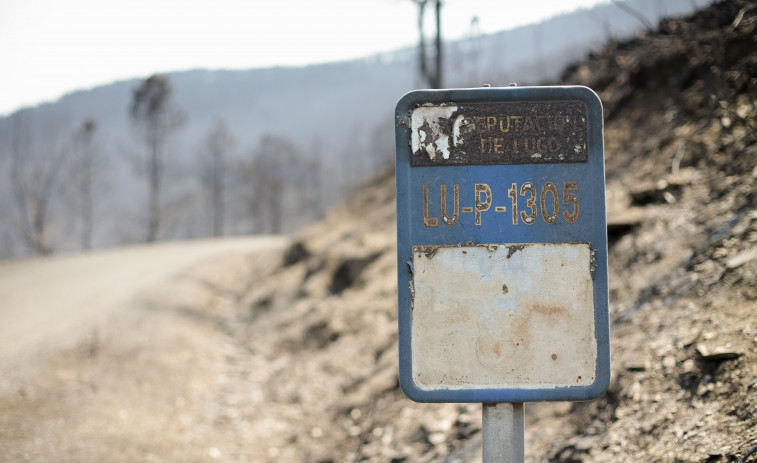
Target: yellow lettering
x=551, y=217
x=529, y=144
x=542, y=144
x=481, y=123
x=481, y=206
x=491, y=122
x=568, y=198
x=427, y=221
x=450, y=221
x=530, y=188
x=484, y=145
x=554, y=145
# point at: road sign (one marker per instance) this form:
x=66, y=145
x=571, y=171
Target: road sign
x=502, y=245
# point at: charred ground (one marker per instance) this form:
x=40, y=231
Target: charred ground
x=681, y=171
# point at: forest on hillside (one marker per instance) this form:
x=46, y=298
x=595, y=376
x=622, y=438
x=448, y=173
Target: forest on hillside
x=219, y=153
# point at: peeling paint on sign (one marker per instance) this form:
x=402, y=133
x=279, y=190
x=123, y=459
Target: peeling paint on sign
x=509, y=316
x=429, y=134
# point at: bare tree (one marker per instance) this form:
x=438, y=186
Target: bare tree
x=213, y=172
x=268, y=173
x=85, y=166
x=33, y=183
x=155, y=117
x=310, y=188
x=474, y=46
x=432, y=76
x=275, y=164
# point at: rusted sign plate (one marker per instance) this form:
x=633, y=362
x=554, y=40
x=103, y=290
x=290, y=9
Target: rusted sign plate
x=502, y=245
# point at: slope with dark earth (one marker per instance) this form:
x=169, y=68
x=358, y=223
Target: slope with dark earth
x=321, y=331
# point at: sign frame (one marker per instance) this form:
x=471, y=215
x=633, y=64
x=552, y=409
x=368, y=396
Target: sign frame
x=416, y=228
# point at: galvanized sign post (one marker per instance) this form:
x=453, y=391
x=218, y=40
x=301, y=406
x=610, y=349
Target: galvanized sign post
x=502, y=251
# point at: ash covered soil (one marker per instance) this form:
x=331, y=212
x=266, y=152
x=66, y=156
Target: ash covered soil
x=292, y=356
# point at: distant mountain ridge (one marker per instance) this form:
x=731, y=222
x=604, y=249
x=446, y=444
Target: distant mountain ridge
x=339, y=113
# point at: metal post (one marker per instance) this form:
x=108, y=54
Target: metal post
x=503, y=432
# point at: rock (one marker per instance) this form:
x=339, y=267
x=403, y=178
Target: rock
x=297, y=252
x=716, y=353
x=741, y=258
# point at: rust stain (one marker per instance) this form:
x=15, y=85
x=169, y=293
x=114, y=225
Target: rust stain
x=511, y=349
x=507, y=331
x=490, y=348
x=497, y=348
x=490, y=353
x=549, y=311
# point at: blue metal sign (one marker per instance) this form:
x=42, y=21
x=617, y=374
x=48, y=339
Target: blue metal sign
x=502, y=245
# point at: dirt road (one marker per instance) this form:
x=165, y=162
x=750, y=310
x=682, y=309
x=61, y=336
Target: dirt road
x=123, y=355
x=49, y=303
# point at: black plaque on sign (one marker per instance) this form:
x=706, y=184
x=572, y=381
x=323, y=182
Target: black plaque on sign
x=500, y=133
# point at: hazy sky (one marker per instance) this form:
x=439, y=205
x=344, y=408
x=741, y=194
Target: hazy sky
x=51, y=47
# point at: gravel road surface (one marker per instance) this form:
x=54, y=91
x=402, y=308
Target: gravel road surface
x=49, y=303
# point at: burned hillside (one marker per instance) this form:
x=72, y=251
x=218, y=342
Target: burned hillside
x=681, y=165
